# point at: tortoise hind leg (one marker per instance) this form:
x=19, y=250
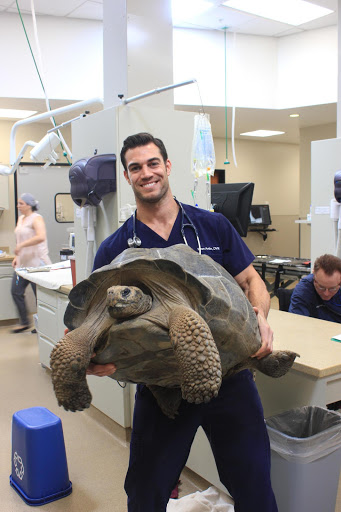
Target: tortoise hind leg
x=197, y=354
x=276, y=364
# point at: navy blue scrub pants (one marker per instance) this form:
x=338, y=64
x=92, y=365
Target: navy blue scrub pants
x=234, y=425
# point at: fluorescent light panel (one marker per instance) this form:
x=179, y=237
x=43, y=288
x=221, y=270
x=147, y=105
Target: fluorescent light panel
x=292, y=12
x=262, y=133
x=11, y=113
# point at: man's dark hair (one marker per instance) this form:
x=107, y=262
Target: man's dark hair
x=141, y=139
x=328, y=263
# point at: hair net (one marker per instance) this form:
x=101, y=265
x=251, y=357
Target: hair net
x=29, y=199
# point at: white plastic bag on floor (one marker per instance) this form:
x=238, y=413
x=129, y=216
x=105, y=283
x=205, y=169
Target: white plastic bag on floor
x=210, y=500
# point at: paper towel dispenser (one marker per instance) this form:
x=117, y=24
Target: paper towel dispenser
x=92, y=178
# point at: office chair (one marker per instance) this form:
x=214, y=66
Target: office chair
x=284, y=297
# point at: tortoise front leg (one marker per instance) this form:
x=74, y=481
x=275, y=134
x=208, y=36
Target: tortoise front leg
x=197, y=354
x=69, y=361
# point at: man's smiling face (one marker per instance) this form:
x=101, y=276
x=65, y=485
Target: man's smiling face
x=147, y=173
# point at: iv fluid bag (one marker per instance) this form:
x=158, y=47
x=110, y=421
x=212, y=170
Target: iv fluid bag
x=203, y=155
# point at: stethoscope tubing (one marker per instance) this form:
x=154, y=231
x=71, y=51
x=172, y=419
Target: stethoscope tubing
x=135, y=241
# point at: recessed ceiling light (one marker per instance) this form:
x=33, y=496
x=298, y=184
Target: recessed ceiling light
x=262, y=133
x=294, y=115
x=292, y=12
x=11, y=113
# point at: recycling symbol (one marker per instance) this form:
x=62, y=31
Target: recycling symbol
x=19, y=466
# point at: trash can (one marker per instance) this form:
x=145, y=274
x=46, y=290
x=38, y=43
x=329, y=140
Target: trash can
x=305, y=458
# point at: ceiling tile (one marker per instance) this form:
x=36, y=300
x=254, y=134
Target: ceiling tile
x=43, y=7
x=88, y=10
x=6, y=3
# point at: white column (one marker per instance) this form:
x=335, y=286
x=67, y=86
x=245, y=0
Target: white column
x=338, y=108
x=137, y=50
x=115, y=66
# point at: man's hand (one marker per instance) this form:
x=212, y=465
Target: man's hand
x=266, y=336
x=100, y=370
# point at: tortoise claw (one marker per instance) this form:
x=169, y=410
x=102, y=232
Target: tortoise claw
x=73, y=396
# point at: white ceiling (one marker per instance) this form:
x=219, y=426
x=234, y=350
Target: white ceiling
x=218, y=18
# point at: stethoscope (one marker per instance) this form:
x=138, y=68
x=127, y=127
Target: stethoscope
x=135, y=241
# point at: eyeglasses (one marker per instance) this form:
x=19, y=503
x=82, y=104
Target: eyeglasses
x=324, y=289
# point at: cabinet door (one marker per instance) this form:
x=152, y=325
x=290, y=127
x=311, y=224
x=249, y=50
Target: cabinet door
x=112, y=399
x=4, y=192
x=45, y=348
x=62, y=303
x=8, y=310
x=48, y=321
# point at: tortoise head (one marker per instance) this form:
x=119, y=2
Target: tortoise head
x=127, y=301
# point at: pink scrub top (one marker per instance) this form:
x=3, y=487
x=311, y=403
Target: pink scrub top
x=34, y=255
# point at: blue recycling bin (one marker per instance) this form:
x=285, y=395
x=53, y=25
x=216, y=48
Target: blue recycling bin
x=39, y=466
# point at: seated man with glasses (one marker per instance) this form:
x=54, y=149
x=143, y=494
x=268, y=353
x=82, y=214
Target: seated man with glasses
x=318, y=295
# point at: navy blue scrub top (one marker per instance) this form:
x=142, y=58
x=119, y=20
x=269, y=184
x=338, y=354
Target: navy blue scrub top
x=217, y=236
x=306, y=301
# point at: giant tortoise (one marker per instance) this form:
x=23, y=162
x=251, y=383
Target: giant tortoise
x=169, y=318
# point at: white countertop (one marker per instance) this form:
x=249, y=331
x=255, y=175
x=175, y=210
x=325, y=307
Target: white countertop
x=59, y=274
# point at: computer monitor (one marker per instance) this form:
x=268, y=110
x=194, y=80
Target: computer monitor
x=233, y=200
x=260, y=215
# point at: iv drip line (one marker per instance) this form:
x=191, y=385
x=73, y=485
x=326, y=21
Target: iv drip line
x=233, y=101
x=226, y=151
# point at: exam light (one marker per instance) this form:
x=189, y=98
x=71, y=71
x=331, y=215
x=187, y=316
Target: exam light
x=44, y=150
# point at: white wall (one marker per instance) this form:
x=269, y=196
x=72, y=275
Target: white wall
x=262, y=72
x=325, y=161
x=251, y=68
x=72, y=55
x=307, y=68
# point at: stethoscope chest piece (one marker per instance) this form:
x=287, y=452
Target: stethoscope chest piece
x=134, y=242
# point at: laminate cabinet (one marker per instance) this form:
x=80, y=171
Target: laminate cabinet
x=4, y=193
x=8, y=310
